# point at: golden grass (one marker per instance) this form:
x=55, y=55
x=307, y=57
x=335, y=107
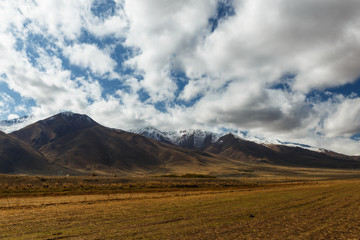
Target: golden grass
x=318, y=210
x=18, y=186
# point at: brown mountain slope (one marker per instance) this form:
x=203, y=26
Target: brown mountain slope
x=19, y=157
x=235, y=148
x=77, y=142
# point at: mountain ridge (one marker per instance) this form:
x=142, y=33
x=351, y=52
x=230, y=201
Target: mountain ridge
x=182, y=136
x=236, y=148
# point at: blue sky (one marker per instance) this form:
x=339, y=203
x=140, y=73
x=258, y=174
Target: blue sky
x=283, y=70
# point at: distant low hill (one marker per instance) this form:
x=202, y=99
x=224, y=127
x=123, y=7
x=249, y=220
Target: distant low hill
x=235, y=148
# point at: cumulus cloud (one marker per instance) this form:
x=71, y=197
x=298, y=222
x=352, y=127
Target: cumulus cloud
x=5, y=101
x=256, y=108
x=65, y=20
x=198, y=87
x=126, y=110
x=344, y=119
x=90, y=56
x=61, y=19
x=12, y=116
x=162, y=30
x=34, y=68
x=270, y=39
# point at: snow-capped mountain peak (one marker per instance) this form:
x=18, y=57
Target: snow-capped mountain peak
x=153, y=133
x=189, y=138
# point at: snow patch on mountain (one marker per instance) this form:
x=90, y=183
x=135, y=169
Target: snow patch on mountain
x=197, y=138
x=270, y=142
x=155, y=134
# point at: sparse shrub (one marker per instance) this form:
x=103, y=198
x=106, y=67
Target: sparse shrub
x=194, y=175
x=188, y=175
x=42, y=179
x=170, y=175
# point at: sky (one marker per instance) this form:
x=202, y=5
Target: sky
x=285, y=70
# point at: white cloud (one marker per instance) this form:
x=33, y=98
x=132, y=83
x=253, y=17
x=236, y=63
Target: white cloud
x=43, y=78
x=47, y=82
x=115, y=25
x=161, y=30
x=344, y=120
x=256, y=108
x=61, y=19
x=6, y=99
x=5, y=102
x=124, y=111
x=21, y=109
x=90, y=56
x=267, y=39
x=192, y=89
x=12, y=116
x=200, y=87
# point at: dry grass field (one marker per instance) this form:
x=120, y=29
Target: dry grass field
x=176, y=208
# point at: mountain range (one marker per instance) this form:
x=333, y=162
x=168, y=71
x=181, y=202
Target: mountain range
x=70, y=143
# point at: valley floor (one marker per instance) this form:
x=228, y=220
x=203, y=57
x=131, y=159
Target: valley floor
x=307, y=210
